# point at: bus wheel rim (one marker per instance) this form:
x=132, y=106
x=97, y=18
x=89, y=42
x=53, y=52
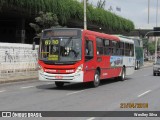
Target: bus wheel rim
x=123, y=75
x=96, y=79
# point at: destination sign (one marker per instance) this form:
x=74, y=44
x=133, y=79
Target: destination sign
x=51, y=42
x=61, y=33
x=53, y=57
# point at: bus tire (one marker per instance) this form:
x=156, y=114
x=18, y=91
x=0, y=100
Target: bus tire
x=59, y=84
x=122, y=77
x=96, y=81
x=138, y=65
x=154, y=74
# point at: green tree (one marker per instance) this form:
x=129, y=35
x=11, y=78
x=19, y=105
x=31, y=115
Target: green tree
x=145, y=44
x=151, y=47
x=101, y=4
x=44, y=21
x=69, y=10
x=158, y=44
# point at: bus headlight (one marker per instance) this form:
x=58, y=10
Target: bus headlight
x=79, y=68
x=40, y=69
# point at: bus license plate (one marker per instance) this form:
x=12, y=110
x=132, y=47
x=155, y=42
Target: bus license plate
x=59, y=77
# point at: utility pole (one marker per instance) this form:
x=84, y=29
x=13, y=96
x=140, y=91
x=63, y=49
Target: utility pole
x=85, y=18
x=156, y=50
x=148, y=9
x=157, y=14
x=156, y=37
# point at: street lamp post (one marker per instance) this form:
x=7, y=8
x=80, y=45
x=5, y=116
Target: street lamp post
x=85, y=18
x=148, y=9
x=156, y=50
x=155, y=42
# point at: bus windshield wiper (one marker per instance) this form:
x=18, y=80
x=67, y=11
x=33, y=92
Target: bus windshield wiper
x=68, y=41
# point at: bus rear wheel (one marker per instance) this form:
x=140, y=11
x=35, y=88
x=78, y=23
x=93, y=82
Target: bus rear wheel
x=59, y=84
x=122, y=77
x=96, y=81
x=138, y=65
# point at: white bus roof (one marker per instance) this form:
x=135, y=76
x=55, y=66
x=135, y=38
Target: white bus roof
x=126, y=40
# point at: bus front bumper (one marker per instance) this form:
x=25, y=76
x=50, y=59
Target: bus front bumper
x=74, y=77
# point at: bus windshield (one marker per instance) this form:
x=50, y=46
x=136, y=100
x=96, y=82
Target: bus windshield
x=61, y=50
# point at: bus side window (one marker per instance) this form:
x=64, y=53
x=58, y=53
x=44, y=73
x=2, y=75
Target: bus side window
x=122, y=48
x=110, y=49
x=106, y=47
x=131, y=50
x=118, y=48
x=100, y=46
x=88, y=50
x=117, y=51
x=109, y=52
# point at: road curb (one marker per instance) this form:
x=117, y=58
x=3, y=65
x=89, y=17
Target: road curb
x=146, y=66
x=17, y=80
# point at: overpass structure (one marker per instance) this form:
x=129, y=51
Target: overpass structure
x=16, y=15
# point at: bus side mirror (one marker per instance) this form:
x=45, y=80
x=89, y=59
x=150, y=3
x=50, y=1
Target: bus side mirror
x=33, y=45
x=35, y=41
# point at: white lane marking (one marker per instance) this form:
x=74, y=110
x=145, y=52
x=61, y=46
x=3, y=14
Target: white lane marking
x=26, y=87
x=2, y=91
x=75, y=92
x=92, y=118
x=142, y=76
x=146, y=75
x=144, y=93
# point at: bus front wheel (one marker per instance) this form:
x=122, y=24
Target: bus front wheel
x=96, y=81
x=59, y=84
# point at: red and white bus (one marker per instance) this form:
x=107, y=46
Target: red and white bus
x=77, y=55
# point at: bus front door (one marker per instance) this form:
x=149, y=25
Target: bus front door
x=89, y=65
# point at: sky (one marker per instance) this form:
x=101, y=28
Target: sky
x=136, y=11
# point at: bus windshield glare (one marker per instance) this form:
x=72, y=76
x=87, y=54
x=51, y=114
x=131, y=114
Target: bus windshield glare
x=61, y=49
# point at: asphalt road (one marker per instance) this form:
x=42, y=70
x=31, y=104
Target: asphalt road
x=141, y=87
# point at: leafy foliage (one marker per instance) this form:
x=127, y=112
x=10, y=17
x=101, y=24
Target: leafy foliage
x=151, y=47
x=44, y=21
x=101, y=4
x=71, y=9
x=145, y=42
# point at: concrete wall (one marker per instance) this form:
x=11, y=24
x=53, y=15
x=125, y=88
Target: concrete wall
x=17, y=57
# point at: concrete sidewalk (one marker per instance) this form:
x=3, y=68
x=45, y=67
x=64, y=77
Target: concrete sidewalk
x=19, y=76
x=147, y=64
